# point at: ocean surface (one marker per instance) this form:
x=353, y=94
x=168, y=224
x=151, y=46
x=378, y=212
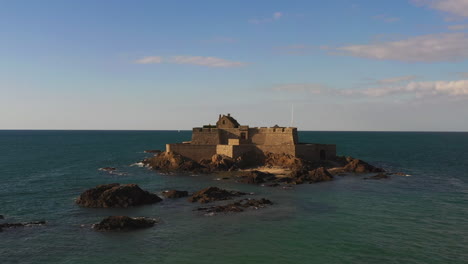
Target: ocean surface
x=422, y=218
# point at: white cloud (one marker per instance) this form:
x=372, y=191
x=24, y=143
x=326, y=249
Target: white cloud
x=274, y=17
x=457, y=8
x=427, y=48
x=458, y=88
x=193, y=60
x=458, y=27
x=386, y=19
x=150, y=60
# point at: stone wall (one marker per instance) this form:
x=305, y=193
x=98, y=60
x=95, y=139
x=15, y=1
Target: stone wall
x=193, y=152
x=205, y=136
x=273, y=136
x=315, y=152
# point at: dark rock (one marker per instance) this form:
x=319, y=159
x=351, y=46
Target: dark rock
x=116, y=195
x=237, y=206
x=124, y=223
x=256, y=177
x=175, y=194
x=284, y=160
x=211, y=194
x=154, y=151
x=1, y=217
x=378, y=177
x=359, y=166
x=26, y=224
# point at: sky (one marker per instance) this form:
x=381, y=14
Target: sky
x=345, y=65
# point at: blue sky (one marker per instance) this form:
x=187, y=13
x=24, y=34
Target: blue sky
x=344, y=65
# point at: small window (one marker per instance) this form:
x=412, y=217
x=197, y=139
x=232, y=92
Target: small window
x=224, y=122
x=242, y=135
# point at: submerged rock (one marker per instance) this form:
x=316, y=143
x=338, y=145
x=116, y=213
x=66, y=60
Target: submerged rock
x=1, y=217
x=108, y=169
x=175, y=194
x=211, y=194
x=378, y=177
x=124, y=223
x=116, y=195
x=26, y=224
x=237, y=206
x=154, y=151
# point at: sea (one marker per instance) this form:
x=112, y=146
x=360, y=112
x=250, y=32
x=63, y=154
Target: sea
x=418, y=217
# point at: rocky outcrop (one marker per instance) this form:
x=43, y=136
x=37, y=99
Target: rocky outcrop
x=284, y=160
x=237, y=207
x=212, y=194
x=116, y=195
x=255, y=177
x=169, y=161
x=304, y=176
x=359, y=166
x=378, y=177
x=26, y=224
x=124, y=223
x=172, y=194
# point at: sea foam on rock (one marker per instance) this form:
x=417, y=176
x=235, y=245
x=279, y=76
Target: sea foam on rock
x=116, y=195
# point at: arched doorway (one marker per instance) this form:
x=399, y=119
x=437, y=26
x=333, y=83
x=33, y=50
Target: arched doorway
x=323, y=154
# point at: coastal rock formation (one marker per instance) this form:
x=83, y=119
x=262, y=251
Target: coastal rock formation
x=237, y=206
x=124, y=223
x=359, y=166
x=26, y=224
x=303, y=176
x=378, y=177
x=175, y=194
x=116, y=195
x=211, y=194
x=284, y=160
x=255, y=177
x=169, y=161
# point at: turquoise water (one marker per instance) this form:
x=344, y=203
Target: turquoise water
x=416, y=219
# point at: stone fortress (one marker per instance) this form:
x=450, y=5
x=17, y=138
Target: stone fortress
x=231, y=139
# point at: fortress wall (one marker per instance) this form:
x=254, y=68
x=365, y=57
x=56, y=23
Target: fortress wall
x=286, y=149
x=193, y=152
x=226, y=150
x=273, y=136
x=313, y=152
x=205, y=136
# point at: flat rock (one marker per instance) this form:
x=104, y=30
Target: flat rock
x=124, y=223
x=211, y=194
x=116, y=195
x=175, y=194
x=237, y=206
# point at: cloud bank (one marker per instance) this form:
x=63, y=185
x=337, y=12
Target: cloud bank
x=427, y=48
x=191, y=60
x=458, y=88
x=458, y=8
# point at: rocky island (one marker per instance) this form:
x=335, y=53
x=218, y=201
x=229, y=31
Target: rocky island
x=256, y=155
